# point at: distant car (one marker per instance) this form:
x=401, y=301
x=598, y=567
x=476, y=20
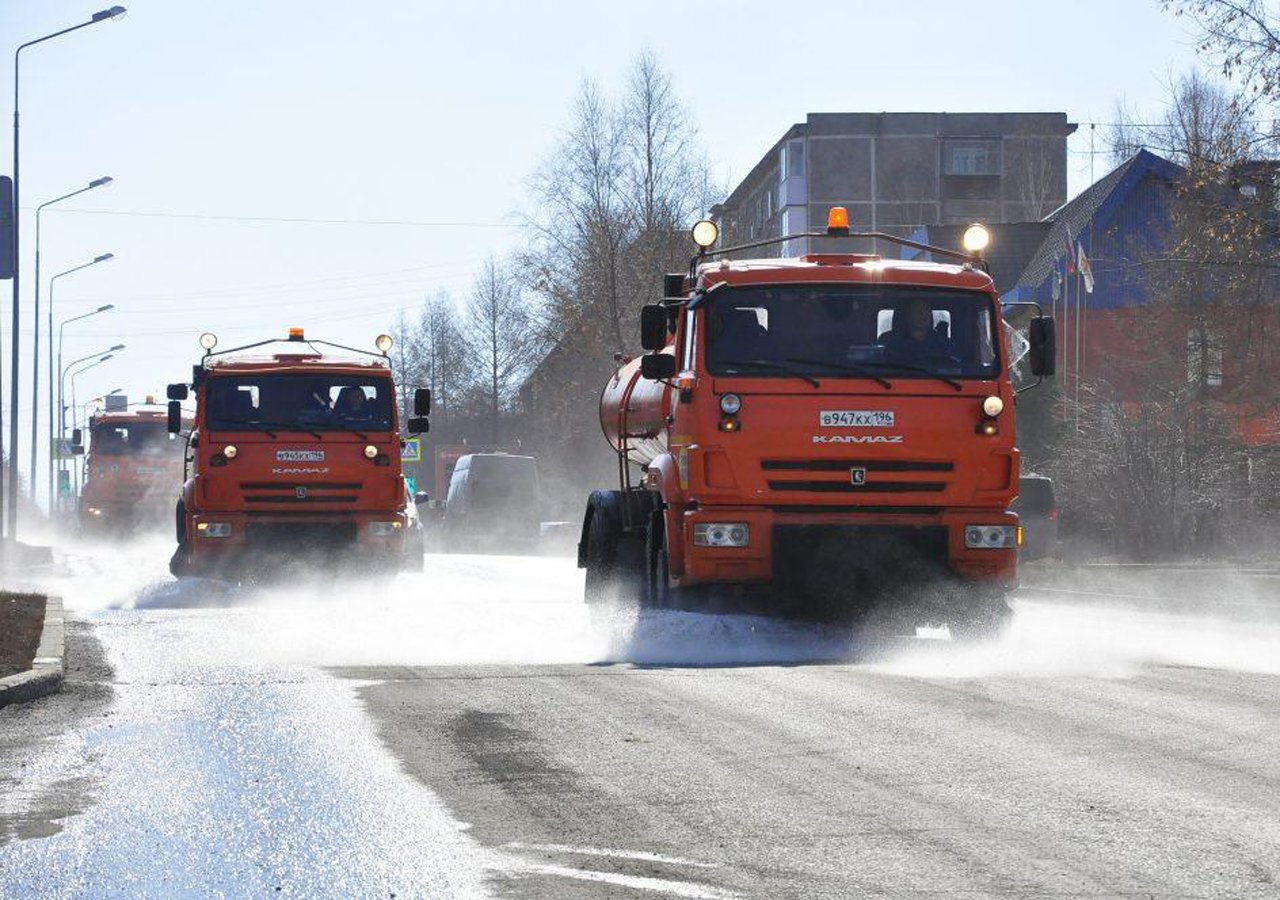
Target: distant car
x=492, y=506
x=1037, y=510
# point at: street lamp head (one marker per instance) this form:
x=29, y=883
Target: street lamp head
x=105, y=358
x=100, y=182
x=117, y=347
x=114, y=391
x=104, y=257
x=114, y=12
x=105, y=308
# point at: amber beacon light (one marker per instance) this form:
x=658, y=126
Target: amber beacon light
x=838, y=220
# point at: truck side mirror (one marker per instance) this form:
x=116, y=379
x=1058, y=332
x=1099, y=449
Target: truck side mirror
x=77, y=449
x=653, y=327
x=422, y=402
x=177, y=392
x=175, y=417
x=657, y=366
x=1043, y=351
x=673, y=284
x=419, y=425
x=77, y=437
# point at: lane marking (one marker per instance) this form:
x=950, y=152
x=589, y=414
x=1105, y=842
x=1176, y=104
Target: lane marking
x=638, y=882
x=618, y=854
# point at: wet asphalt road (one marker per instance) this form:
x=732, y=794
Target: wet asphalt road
x=476, y=733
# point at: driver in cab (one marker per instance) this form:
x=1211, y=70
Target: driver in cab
x=914, y=336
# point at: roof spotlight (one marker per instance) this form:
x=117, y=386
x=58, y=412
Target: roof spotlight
x=383, y=343
x=705, y=233
x=208, y=340
x=976, y=238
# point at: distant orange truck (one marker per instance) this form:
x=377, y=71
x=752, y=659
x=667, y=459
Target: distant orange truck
x=132, y=471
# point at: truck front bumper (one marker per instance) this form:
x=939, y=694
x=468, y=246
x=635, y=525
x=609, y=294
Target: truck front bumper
x=219, y=542
x=814, y=543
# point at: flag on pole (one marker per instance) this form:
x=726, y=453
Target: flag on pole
x=1071, y=258
x=1086, y=268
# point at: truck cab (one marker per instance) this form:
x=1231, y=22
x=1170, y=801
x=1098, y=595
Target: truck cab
x=294, y=456
x=132, y=472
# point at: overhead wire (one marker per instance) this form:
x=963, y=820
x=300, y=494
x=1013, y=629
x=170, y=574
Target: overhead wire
x=282, y=220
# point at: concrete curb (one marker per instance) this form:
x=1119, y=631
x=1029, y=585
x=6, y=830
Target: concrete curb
x=45, y=675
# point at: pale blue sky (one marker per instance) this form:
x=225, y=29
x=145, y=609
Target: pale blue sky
x=431, y=112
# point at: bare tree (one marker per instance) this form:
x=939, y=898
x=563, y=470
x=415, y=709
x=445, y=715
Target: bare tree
x=1202, y=127
x=611, y=208
x=1243, y=37
x=1120, y=136
x=435, y=355
x=581, y=224
x=501, y=338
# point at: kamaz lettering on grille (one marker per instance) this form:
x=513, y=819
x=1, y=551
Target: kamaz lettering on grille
x=857, y=439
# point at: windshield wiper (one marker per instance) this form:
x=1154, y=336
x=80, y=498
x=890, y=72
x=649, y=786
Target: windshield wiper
x=345, y=427
x=265, y=427
x=852, y=369
x=769, y=364
x=907, y=367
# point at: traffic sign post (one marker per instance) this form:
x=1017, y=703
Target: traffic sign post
x=412, y=451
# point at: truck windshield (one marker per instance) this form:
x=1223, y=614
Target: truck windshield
x=128, y=439
x=836, y=331
x=271, y=402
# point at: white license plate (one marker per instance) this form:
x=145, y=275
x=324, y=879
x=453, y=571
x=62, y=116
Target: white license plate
x=299, y=456
x=855, y=418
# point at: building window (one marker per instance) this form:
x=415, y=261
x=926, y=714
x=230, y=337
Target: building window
x=793, y=159
x=1204, y=358
x=972, y=158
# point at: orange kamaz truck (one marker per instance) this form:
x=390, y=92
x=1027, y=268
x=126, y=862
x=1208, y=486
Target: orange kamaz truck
x=831, y=434
x=293, y=460
x=131, y=472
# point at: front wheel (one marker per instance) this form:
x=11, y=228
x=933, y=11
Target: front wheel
x=614, y=562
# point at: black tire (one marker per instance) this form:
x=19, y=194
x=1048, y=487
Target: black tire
x=656, y=589
x=614, y=563
x=180, y=562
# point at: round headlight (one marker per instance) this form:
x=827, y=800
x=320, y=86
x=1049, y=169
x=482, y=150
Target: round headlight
x=230, y=451
x=993, y=406
x=705, y=233
x=370, y=451
x=730, y=404
x=208, y=340
x=383, y=343
x=976, y=238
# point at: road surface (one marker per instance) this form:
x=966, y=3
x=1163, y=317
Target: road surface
x=474, y=732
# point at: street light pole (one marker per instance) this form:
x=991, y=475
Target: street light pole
x=52, y=282
x=11, y=489
x=62, y=380
x=75, y=420
x=35, y=340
